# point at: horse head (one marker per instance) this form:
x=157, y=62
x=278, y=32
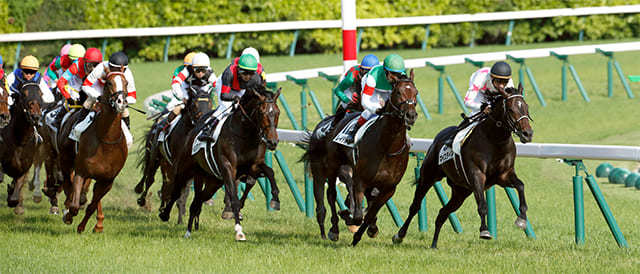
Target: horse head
x=264, y=113
x=115, y=91
x=403, y=99
x=199, y=103
x=514, y=111
x=5, y=115
x=29, y=101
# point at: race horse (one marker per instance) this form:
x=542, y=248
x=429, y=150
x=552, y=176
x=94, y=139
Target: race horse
x=239, y=150
x=382, y=156
x=486, y=158
x=163, y=154
x=100, y=153
x=20, y=140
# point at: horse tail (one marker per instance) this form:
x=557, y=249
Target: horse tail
x=148, y=149
x=316, y=149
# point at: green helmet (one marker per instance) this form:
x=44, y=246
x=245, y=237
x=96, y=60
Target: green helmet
x=394, y=63
x=248, y=62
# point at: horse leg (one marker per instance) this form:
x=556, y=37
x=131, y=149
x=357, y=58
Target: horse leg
x=521, y=221
x=249, y=183
x=458, y=195
x=85, y=190
x=275, y=192
x=147, y=181
x=372, y=211
x=15, y=197
x=334, y=231
x=182, y=202
x=99, y=190
x=358, y=196
x=74, y=207
x=51, y=186
x=372, y=229
x=99, y=219
x=34, y=184
x=344, y=175
x=232, y=191
x=318, y=195
x=227, y=212
x=422, y=187
x=478, y=193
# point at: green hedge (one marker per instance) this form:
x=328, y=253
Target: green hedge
x=38, y=15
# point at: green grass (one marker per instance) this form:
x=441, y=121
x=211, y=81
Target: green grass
x=287, y=241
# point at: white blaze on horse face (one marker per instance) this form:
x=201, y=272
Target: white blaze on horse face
x=121, y=102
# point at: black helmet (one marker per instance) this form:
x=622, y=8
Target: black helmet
x=501, y=70
x=118, y=59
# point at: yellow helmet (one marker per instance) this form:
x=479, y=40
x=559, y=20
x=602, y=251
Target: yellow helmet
x=29, y=62
x=76, y=51
x=188, y=59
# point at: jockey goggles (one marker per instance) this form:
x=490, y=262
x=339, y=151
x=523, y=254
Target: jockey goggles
x=200, y=69
x=501, y=81
x=29, y=71
x=246, y=72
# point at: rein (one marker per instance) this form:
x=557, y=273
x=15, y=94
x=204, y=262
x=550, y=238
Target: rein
x=511, y=123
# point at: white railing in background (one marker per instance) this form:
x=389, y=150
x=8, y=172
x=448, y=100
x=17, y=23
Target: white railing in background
x=318, y=24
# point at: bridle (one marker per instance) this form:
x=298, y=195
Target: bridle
x=112, y=98
x=261, y=134
x=24, y=103
x=512, y=123
x=396, y=110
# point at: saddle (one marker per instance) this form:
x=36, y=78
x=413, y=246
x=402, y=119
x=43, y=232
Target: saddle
x=349, y=136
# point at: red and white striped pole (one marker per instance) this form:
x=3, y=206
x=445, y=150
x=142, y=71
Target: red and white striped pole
x=349, y=56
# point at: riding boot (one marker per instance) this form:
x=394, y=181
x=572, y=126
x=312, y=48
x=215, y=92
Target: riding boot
x=127, y=122
x=340, y=112
x=207, y=133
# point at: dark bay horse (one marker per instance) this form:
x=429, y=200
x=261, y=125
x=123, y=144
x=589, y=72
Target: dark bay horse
x=19, y=140
x=487, y=159
x=100, y=154
x=163, y=155
x=244, y=138
x=383, y=153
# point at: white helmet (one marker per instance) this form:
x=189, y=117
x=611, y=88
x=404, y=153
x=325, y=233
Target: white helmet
x=201, y=60
x=253, y=52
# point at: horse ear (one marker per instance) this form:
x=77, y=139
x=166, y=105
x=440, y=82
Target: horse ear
x=520, y=89
x=411, y=75
x=277, y=93
x=257, y=94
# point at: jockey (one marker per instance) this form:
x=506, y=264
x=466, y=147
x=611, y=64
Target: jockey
x=63, y=62
x=235, y=79
x=483, y=83
x=202, y=79
x=348, y=90
x=377, y=87
x=94, y=83
x=188, y=61
x=260, y=71
x=28, y=73
x=70, y=84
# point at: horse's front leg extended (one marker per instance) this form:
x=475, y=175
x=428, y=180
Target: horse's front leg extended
x=521, y=221
x=78, y=183
x=275, y=199
x=15, y=198
x=229, y=178
x=478, y=182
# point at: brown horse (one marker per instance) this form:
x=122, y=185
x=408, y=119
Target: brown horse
x=100, y=154
x=19, y=140
x=240, y=148
x=383, y=153
x=164, y=154
x=487, y=159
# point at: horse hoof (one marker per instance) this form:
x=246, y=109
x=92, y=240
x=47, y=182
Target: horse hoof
x=187, y=235
x=521, y=223
x=163, y=216
x=209, y=202
x=396, y=239
x=12, y=204
x=240, y=237
x=139, y=188
x=80, y=229
x=142, y=201
x=54, y=210
x=485, y=235
x=19, y=210
x=333, y=236
x=275, y=205
x=37, y=199
x=372, y=233
x=353, y=228
x=97, y=229
x=66, y=217
x=227, y=215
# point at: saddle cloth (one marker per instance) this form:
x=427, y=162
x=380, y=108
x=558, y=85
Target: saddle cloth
x=448, y=152
x=49, y=118
x=81, y=126
x=323, y=127
x=347, y=137
x=164, y=134
x=198, y=145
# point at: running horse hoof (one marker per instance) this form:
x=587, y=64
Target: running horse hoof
x=275, y=205
x=54, y=210
x=396, y=239
x=485, y=235
x=98, y=229
x=240, y=237
x=372, y=232
x=66, y=217
x=353, y=228
x=227, y=215
x=37, y=199
x=19, y=210
x=209, y=202
x=80, y=229
x=333, y=236
x=521, y=223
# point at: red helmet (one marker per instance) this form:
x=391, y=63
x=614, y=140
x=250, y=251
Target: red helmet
x=93, y=55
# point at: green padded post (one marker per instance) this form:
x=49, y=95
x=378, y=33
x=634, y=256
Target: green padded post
x=532, y=80
x=442, y=196
x=515, y=203
x=578, y=207
x=423, y=107
x=15, y=65
x=104, y=47
x=440, y=86
x=230, y=45
x=339, y=199
x=491, y=211
x=285, y=105
x=290, y=181
x=478, y=64
x=457, y=95
x=292, y=50
x=426, y=38
x=609, y=78
x=509, y=33
x=308, y=191
x=562, y=58
x=606, y=212
x=359, y=39
x=316, y=104
x=393, y=210
x=576, y=78
x=623, y=80
x=422, y=213
x=268, y=160
x=165, y=57
x=334, y=79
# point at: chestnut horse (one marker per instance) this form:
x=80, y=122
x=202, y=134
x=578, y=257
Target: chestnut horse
x=487, y=159
x=240, y=148
x=100, y=154
x=163, y=155
x=383, y=153
x=19, y=139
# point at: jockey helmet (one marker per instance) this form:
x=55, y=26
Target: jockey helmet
x=369, y=61
x=118, y=59
x=201, y=59
x=501, y=70
x=253, y=52
x=188, y=59
x=76, y=51
x=394, y=63
x=65, y=49
x=248, y=62
x=93, y=55
x=29, y=62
